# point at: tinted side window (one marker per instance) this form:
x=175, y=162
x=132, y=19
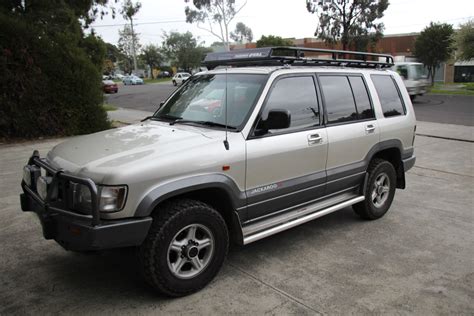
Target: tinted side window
x=338, y=98
x=298, y=95
x=388, y=95
x=361, y=98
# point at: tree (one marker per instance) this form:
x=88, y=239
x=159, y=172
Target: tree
x=129, y=10
x=151, y=56
x=349, y=21
x=464, y=41
x=128, y=45
x=434, y=46
x=270, y=40
x=183, y=51
x=51, y=71
x=242, y=33
x=211, y=12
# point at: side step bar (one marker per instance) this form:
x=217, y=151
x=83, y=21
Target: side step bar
x=301, y=220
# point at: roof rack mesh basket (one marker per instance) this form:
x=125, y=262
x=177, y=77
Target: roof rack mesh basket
x=297, y=56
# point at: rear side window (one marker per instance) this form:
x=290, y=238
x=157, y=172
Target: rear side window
x=298, y=95
x=338, y=98
x=388, y=95
x=361, y=97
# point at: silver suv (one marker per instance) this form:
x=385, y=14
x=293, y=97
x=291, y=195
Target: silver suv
x=282, y=137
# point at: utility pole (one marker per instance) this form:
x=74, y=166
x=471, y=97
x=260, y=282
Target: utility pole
x=134, y=54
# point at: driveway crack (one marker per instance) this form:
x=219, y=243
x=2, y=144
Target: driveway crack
x=281, y=292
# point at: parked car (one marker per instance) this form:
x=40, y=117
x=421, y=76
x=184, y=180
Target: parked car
x=234, y=155
x=133, y=80
x=119, y=76
x=164, y=74
x=180, y=78
x=108, y=86
x=414, y=77
x=106, y=77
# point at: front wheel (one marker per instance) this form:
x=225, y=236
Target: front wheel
x=380, y=190
x=185, y=247
x=175, y=83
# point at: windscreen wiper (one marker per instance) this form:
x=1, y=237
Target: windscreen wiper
x=207, y=123
x=164, y=116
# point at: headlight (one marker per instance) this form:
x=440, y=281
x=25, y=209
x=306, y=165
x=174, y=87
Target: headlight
x=111, y=198
x=82, y=200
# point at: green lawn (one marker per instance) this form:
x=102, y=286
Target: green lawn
x=148, y=80
x=453, y=88
x=109, y=107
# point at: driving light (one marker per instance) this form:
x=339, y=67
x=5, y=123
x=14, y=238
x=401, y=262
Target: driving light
x=30, y=174
x=42, y=185
x=112, y=198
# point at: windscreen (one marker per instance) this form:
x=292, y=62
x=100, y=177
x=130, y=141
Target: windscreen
x=418, y=72
x=204, y=98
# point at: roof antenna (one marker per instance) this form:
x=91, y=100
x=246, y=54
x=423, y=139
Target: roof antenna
x=226, y=142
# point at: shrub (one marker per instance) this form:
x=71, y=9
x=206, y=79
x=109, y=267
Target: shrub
x=49, y=85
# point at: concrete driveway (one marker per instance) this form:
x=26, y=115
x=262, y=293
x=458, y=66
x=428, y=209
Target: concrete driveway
x=418, y=259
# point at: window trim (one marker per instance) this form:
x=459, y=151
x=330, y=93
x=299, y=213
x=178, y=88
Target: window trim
x=346, y=75
x=371, y=103
x=265, y=101
x=398, y=92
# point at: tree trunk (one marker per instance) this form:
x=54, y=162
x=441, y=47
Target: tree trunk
x=433, y=72
x=151, y=72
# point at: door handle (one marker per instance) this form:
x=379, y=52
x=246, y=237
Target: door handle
x=314, y=139
x=370, y=128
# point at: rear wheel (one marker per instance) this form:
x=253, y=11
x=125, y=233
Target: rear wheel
x=380, y=190
x=185, y=248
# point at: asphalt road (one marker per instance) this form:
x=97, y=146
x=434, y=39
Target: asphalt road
x=141, y=97
x=416, y=260
x=448, y=109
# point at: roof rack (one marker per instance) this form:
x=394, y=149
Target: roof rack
x=297, y=56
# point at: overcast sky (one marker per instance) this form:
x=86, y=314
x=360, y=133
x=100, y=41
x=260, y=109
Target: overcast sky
x=285, y=18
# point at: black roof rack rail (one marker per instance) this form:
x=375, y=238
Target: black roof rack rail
x=297, y=56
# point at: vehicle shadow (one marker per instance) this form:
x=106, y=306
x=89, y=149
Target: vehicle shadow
x=117, y=271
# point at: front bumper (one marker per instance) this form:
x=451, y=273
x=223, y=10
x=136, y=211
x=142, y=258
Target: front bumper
x=80, y=232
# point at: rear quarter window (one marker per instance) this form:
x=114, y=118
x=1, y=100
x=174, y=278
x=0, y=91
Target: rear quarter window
x=389, y=95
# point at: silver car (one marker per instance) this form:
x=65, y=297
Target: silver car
x=234, y=155
x=132, y=80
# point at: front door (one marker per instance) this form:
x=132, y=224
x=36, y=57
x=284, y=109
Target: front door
x=286, y=167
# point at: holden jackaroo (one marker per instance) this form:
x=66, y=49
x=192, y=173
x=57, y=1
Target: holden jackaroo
x=264, y=140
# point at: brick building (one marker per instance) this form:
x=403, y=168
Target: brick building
x=402, y=47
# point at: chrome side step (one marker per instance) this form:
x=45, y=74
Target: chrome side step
x=307, y=213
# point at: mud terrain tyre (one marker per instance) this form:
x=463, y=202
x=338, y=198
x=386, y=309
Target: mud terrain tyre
x=185, y=247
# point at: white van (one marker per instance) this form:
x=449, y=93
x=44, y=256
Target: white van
x=414, y=77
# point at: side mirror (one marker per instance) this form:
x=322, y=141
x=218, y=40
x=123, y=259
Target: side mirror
x=277, y=119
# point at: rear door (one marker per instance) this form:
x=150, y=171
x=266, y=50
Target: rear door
x=351, y=127
x=287, y=167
